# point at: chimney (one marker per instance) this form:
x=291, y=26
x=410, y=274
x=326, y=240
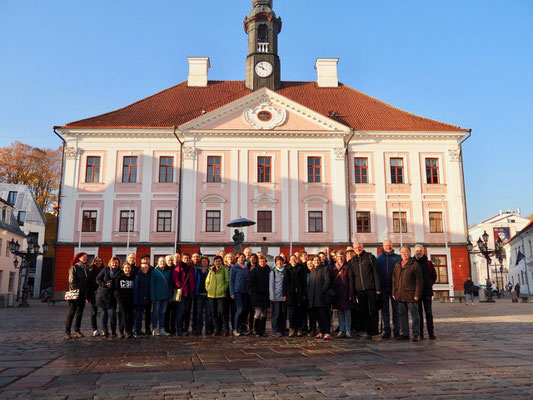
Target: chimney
x=198, y=67
x=326, y=71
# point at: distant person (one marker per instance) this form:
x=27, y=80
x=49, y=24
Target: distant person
x=469, y=290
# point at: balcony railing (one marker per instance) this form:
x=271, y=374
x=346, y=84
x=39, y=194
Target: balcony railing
x=262, y=47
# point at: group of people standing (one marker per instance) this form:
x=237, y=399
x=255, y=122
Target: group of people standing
x=188, y=294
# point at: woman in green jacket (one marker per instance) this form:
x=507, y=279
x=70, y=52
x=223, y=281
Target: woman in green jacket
x=217, y=283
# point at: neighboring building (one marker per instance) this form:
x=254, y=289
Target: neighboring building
x=315, y=164
x=32, y=222
x=9, y=275
x=520, y=250
x=503, y=225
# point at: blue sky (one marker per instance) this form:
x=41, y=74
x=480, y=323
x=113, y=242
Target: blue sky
x=467, y=63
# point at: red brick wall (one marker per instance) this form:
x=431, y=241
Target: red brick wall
x=460, y=267
x=64, y=256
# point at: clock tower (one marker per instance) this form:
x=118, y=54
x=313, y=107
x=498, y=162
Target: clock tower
x=262, y=63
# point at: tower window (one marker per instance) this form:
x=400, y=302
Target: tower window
x=262, y=33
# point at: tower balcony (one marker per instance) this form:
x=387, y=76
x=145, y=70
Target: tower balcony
x=262, y=47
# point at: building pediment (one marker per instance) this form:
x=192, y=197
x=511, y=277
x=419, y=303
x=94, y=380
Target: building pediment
x=264, y=198
x=213, y=198
x=315, y=199
x=264, y=110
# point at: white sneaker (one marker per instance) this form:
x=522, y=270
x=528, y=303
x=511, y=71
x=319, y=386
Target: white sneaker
x=236, y=333
x=341, y=334
x=96, y=333
x=348, y=335
x=162, y=332
x=155, y=332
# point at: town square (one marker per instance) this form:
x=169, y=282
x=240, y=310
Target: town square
x=318, y=200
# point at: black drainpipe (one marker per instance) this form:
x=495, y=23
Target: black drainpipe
x=178, y=216
x=54, y=128
x=347, y=162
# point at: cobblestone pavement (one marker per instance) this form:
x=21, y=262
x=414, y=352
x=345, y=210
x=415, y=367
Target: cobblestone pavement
x=484, y=351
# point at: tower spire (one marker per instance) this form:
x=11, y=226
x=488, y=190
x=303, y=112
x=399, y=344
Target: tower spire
x=262, y=64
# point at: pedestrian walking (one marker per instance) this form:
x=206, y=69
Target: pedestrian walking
x=469, y=290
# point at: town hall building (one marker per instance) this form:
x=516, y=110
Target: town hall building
x=314, y=164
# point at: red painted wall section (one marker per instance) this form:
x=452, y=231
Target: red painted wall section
x=229, y=249
x=106, y=253
x=141, y=251
x=64, y=256
x=460, y=267
x=189, y=249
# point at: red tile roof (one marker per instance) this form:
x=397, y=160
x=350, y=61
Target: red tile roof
x=180, y=104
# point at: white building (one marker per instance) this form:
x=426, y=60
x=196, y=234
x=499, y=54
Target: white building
x=504, y=226
x=315, y=164
x=9, y=273
x=32, y=222
x=520, y=250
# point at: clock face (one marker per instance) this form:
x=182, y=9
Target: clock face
x=263, y=69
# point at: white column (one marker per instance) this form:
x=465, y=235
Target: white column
x=69, y=194
x=294, y=200
x=416, y=196
x=339, y=222
x=284, y=176
x=188, y=191
x=109, y=195
x=234, y=196
x=146, y=194
x=456, y=212
x=381, y=196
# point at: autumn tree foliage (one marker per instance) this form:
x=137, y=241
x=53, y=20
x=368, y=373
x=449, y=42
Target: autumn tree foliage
x=39, y=169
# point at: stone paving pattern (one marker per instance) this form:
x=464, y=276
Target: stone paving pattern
x=484, y=351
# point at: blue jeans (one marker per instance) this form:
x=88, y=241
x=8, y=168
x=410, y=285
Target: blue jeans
x=140, y=312
x=159, y=314
x=201, y=305
x=183, y=311
x=242, y=302
x=279, y=317
x=345, y=320
x=386, y=296
x=111, y=312
x=404, y=318
x=470, y=296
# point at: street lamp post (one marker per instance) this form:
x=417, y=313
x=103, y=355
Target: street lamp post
x=483, y=251
x=31, y=251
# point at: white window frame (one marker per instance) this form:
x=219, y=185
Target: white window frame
x=428, y=222
x=371, y=221
x=138, y=177
x=258, y=208
x=213, y=206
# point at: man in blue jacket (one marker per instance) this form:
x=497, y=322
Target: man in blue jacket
x=386, y=262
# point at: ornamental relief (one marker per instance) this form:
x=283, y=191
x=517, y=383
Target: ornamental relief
x=71, y=152
x=454, y=154
x=264, y=116
x=189, y=152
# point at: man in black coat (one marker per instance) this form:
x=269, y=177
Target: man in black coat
x=364, y=289
x=429, y=276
